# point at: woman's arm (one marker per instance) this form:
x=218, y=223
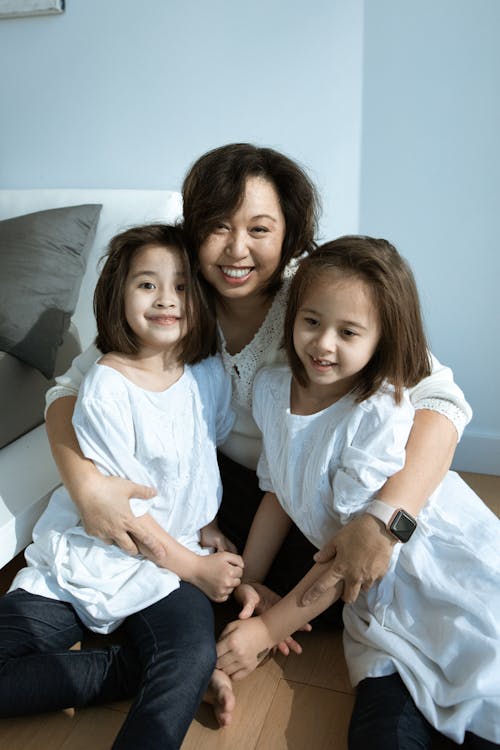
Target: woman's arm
x=103, y=502
x=360, y=552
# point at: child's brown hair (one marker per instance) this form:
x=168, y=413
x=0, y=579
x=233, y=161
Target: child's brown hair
x=401, y=356
x=113, y=331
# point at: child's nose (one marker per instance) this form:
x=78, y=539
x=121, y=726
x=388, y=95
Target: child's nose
x=326, y=341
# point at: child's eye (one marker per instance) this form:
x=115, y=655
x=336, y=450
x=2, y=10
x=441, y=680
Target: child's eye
x=147, y=285
x=180, y=287
x=348, y=333
x=311, y=322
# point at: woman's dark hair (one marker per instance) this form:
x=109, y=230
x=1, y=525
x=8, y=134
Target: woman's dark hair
x=214, y=187
x=113, y=331
x=401, y=356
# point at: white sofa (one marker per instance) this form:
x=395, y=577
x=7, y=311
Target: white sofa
x=27, y=472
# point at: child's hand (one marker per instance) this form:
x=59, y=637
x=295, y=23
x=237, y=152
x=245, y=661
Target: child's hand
x=242, y=646
x=217, y=575
x=256, y=598
x=212, y=536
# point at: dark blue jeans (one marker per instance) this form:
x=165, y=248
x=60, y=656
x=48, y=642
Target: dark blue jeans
x=386, y=718
x=166, y=664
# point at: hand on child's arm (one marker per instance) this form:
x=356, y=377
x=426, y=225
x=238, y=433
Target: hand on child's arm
x=216, y=575
x=212, y=536
x=255, y=598
x=359, y=554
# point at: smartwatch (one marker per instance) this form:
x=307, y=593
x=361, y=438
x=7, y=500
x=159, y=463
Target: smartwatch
x=397, y=521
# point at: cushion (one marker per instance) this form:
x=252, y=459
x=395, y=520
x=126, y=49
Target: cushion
x=42, y=261
x=22, y=389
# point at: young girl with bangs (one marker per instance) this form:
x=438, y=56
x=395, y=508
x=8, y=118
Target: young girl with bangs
x=151, y=410
x=250, y=213
x=423, y=643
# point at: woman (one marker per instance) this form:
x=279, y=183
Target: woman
x=249, y=214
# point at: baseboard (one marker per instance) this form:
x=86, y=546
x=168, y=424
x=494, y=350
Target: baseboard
x=478, y=453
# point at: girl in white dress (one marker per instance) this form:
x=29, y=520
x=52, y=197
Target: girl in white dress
x=423, y=644
x=153, y=410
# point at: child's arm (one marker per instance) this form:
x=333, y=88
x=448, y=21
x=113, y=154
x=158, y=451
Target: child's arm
x=243, y=644
x=268, y=531
x=216, y=575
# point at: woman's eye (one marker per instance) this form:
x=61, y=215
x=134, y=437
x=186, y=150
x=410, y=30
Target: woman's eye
x=221, y=227
x=259, y=230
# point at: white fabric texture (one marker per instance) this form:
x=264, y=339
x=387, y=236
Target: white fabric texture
x=165, y=440
x=435, y=616
x=437, y=392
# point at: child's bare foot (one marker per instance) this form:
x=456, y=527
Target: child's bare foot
x=220, y=695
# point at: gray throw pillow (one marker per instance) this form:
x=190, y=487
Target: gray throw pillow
x=42, y=262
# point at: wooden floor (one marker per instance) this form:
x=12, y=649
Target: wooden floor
x=299, y=703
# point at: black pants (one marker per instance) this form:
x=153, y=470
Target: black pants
x=385, y=717
x=240, y=500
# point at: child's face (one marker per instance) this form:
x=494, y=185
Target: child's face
x=155, y=298
x=239, y=257
x=336, y=332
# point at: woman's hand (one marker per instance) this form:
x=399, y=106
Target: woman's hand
x=216, y=575
x=242, y=646
x=104, y=506
x=211, y=536
x=359, y=555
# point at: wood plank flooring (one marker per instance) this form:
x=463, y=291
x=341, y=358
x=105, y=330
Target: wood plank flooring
x=295, y=703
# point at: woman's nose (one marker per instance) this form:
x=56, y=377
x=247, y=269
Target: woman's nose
x=236, y=245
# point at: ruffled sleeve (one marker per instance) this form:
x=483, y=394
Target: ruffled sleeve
x=69, y=383
x=374, y=451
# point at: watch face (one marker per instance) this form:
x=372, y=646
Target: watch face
x=403, y=526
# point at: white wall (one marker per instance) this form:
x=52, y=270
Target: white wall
x=430, y=182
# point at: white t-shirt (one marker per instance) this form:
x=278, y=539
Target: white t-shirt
x=165, y=440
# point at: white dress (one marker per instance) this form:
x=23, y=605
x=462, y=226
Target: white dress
x=435, y=616
x=165, y=440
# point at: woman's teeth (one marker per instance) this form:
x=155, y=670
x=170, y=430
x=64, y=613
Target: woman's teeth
x=236, y=273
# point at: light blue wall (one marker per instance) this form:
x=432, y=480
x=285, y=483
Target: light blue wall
x=431, y=182
x=127, y=93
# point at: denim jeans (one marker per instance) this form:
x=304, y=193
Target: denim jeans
x=385, y=717
x=166, y=664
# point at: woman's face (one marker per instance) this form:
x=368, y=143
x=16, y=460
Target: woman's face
x=241, y=254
